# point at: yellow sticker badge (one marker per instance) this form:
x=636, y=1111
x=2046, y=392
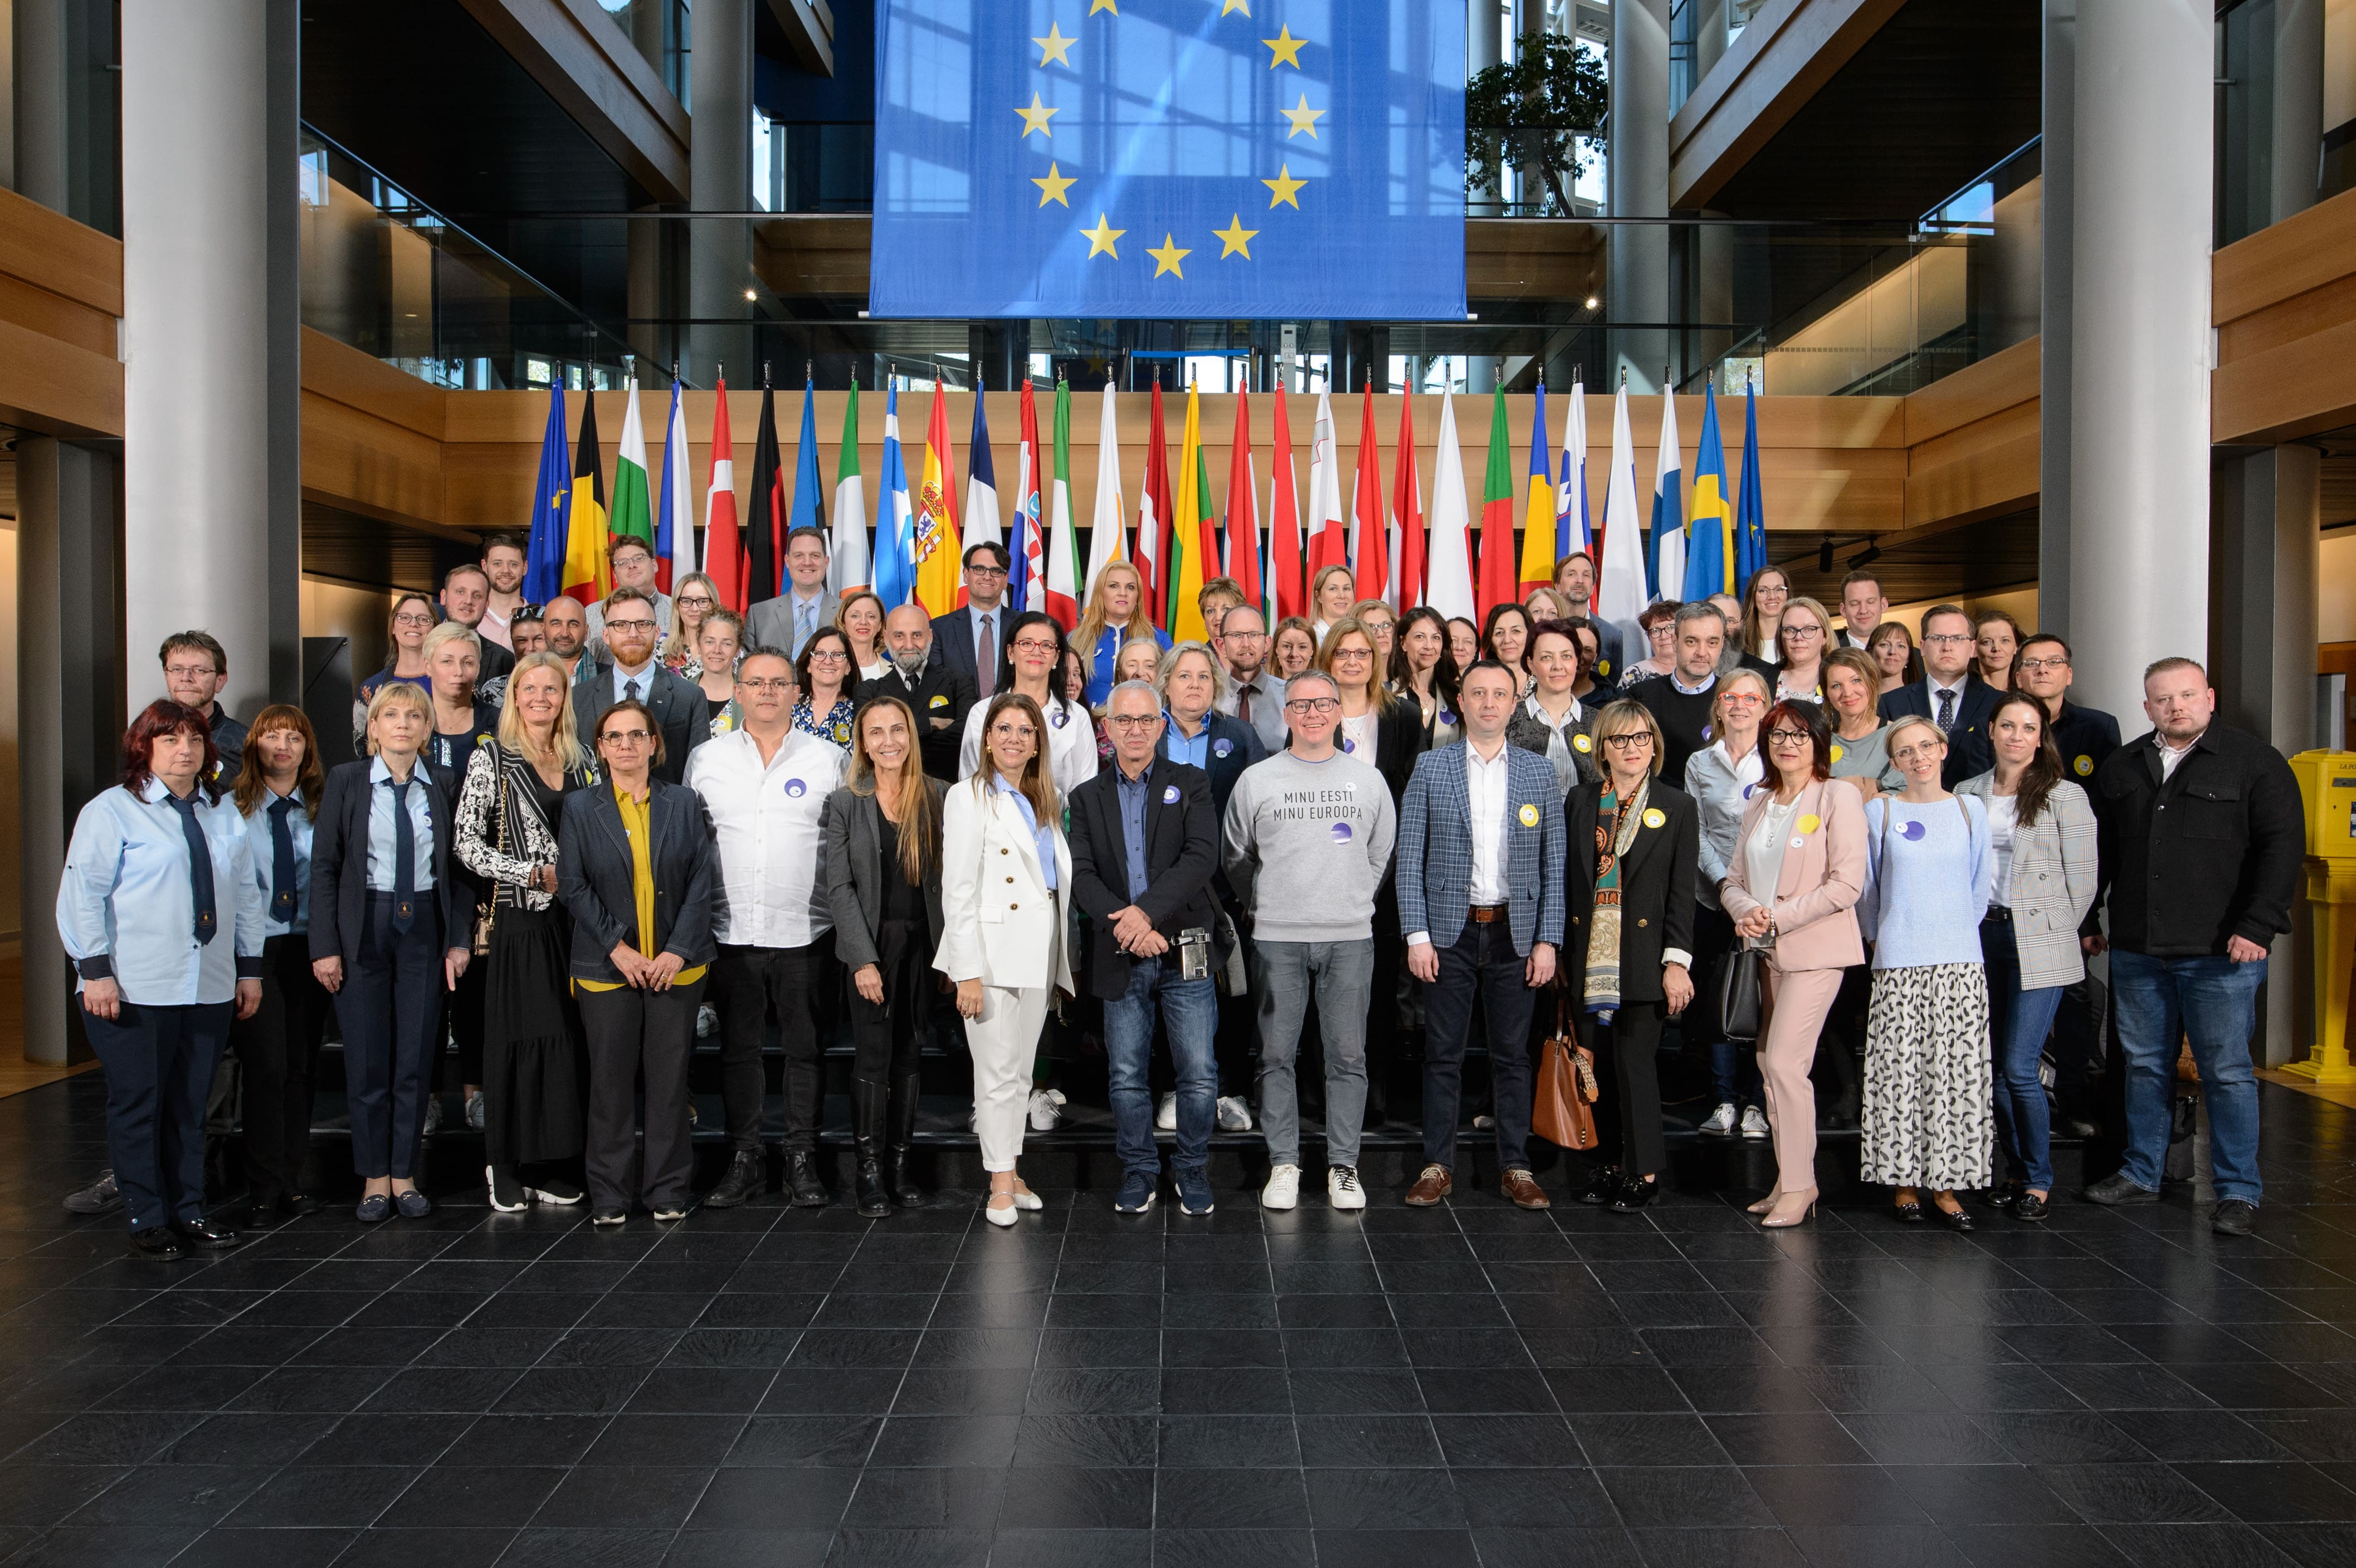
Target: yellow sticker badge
x=1656, y=818
x=2084, y=764
x=1581, y=743
x=1810, y=822
x=938, y=701
x=1838, y=751
x=1529, y=817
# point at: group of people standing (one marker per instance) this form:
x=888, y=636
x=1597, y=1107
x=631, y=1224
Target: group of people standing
x=581, y=833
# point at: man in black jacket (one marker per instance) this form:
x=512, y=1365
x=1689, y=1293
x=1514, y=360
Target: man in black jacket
x=936, y=694
x=2201, y=836
x=1145, y=843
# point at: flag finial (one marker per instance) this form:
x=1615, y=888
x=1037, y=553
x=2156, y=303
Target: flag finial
x=764, y=374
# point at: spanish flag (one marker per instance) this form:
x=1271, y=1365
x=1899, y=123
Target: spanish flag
x=940, y=575
x=588, y=570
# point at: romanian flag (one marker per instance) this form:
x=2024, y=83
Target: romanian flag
x=1191, y=541
x=940, y=577
x=1537, y=525
x=1709, y=546
x=1498, y=584
x=588, y=570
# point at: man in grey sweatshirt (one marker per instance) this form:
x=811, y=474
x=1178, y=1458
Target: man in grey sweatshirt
x=1309, y=835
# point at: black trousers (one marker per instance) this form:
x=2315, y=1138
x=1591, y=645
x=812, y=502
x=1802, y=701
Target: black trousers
x=1480, y=964
x=278, y=1052
x=633, y=1032
x=159, y=1063
x=885, y=1040
x=465, y=1024
x=750, y=985
x=390, y=1010
x=1627, y=1072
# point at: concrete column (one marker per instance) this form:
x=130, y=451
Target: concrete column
x=2298, y=105
x=1637, y=186
x=70, y=686
x=63, y=127
x=719, y=260
x=2055, y=240
x=207, y=445
x=2139, y=342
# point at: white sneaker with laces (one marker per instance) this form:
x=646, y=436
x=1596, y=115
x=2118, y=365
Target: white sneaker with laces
x=1046, y=1109
x=1342, y=1189
x=1165, y=1115
x=707, y=1021
x=1284, y=1189
x=1235, y=1117
x=1754, y=1123
x=1721, y=1122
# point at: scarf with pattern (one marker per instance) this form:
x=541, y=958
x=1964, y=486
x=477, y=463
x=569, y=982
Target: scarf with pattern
x=1615, y=830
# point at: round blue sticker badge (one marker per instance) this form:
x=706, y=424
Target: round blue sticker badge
x=796, y=789
x=1911, y=831
x=1446, y=716
x=1170, y=795
x=1341, y=833
x=1348, y=744
x=1059, y=717
x=1223, y=747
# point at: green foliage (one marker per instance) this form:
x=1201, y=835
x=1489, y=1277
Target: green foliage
x=1531, y=113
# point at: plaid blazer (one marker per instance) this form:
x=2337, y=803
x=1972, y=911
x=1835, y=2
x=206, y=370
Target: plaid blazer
x=2052, y=883
x=1434, y=865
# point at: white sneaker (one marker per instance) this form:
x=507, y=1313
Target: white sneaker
x=1235, y=1117
x=1484, y=1122
x=475, y=1110
x=1342, y=1189
x=1721, y=1122
x=1046, y=1109
x=1166, y=1116
x=1284, y=1189
x=433, y=1115
x=707, y=1021
x=1754, y=1122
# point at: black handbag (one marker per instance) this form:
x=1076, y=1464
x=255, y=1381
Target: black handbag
x=1742, y=994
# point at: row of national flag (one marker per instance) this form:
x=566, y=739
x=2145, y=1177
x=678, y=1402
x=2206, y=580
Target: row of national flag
x=1183, y=536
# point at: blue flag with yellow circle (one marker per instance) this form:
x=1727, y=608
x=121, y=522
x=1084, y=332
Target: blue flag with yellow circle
x=1209, y=158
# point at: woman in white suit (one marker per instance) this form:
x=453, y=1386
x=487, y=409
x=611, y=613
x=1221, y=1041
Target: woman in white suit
x=1006, y=876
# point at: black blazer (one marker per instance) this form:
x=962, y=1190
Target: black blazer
x=1970, y=753
x=595, y=877
x=1399, y=740
x=1182, y=853
x=942, y=693
x=497, y=660
x=953, y=641
x=852, y=831
x=1244, y=748
x=676, y=702
x=339, y=856
x=1656, y=890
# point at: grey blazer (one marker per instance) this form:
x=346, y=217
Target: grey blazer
x=770, y=624
x=852, y=832
x=2052, y=883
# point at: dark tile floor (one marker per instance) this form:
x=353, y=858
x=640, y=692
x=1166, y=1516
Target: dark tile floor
x=1469, y=1385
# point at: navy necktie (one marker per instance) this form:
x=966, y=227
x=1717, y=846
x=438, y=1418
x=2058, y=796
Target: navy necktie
x=201, y=867
x=633, y=684
x=1946, y=710
x=404, y=856
x=282, y=863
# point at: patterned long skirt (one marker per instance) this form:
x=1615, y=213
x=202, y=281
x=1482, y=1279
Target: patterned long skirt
x=1930, y=1103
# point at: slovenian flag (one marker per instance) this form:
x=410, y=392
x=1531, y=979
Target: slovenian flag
x=1570, y=520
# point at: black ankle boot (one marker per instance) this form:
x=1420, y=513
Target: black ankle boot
x=867, y=1132
x=903, y=1119
x=745, y=1180
x=801, y=1180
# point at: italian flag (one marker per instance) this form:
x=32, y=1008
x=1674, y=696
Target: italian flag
x=633, y=515
x=850, y=568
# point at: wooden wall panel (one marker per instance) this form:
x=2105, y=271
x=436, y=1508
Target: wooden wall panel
x=60, y=300
x=2284, y=303
x=371, y=435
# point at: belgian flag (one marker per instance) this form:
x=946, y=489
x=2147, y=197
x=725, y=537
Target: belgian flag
x=588, y=570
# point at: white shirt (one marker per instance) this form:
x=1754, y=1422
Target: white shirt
x=645, y=677
x=1484, y=786
x=1961, y=682
x=1566, y=766
x=764, y=823
x=1071, y=743
x=2003, y=811
x=2171, y=755
x=1359, y=735
x=1763, y=857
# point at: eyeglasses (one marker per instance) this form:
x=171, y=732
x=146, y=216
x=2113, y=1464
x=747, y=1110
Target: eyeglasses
x=775, y=683
x=1012, y=732
x=1947, y=639
x=695, y=602
x=1800, y=634
x=978, y=569
x=626, y=737
x=2039, y=667
x=414, y=619
x=190, y=671
x=827, y=655
x=1305, y=706
x=1924, y=752
x=1352, y=654
x=629, y=625
x=1132, y=722
x=1791, y=737
x=527, y=612
x=1630, y=741
x=1032, y=645
x=1743, y=699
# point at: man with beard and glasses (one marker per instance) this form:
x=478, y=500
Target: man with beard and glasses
x=937, y=693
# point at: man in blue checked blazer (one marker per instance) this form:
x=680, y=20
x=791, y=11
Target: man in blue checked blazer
x=1480, y=895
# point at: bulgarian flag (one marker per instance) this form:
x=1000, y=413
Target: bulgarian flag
x=1062, y=599
x=940, y=577
x=723, y=548
x=633, y=515
x=1153, y=515
x=849, y=571
x=1286, y=594
x=1243, y=510
x=1498, y=584
x=1191, y=540
x=588, y=570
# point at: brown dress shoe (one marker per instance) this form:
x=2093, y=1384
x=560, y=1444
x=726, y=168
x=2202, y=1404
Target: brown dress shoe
x=1433, y=1185
x=1523, y=1189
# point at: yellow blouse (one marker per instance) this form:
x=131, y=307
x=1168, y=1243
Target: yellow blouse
x=637, y=825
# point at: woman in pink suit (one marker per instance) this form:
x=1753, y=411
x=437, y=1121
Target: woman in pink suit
x=1798, y=867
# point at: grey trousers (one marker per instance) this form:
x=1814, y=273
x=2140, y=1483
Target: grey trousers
x=1343, y=973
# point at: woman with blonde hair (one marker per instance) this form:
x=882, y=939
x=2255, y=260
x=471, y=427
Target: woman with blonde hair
x=1293, y=647
x=462, y=723
x=1381, y=622
x=1803, y=634
x=883, y=835
x=720, y=648
x=507, y=828
x=693, y=598
x=1006, y=877
x=861, y=619
x=1331, y=593
x=1115, y=614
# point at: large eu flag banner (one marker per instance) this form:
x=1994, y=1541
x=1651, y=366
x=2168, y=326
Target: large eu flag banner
x=1214, y=158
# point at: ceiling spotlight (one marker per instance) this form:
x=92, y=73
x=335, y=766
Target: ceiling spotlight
x=1592, y=302
x=1825, y=554
x=1866, y=557
x=751, y=294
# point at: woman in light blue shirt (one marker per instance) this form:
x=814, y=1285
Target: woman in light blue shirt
x=1930, y=1100
x=159, y=909
x=278, y=794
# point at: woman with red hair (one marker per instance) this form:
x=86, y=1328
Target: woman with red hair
x=162, y=915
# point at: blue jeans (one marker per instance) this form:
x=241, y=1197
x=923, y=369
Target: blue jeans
x=1190, y=1010
x=2213, y=1001
x=2018, y=1021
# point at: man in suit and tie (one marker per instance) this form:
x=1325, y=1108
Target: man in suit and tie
x=807, y=603
x=1252, y=691
x=1481, y=899
x=632, y=672
x=1862, y=607
x=1145, y=843
x=938, y=694
x=634, y=567
x=971, y=638
x=1951, y=695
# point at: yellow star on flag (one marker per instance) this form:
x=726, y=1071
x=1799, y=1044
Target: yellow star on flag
x=1285, y=48
x=1054, y=48
x=1236, y=238
x=1111, y=6
x=1054, y=185
x=1167, y=256
x=1036, y=118
x=1303, y=118
x=1100, y=239
x=1232, y=6
x=1284, y=188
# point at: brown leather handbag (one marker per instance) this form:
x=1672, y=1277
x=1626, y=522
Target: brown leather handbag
x=1562, y=1110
